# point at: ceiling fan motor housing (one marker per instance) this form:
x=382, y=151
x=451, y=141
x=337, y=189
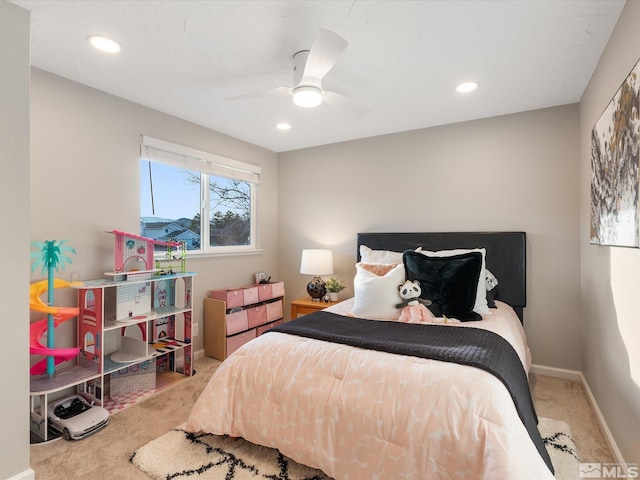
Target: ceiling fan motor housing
x=299, y=61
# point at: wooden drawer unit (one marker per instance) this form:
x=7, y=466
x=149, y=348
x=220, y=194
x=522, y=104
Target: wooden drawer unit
x=232, y=317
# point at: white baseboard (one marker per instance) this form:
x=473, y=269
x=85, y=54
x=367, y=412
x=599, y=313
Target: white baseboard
x=578, y=376
x=28, y=474
x=617, y=454
x=198, y=354
x=556, y=372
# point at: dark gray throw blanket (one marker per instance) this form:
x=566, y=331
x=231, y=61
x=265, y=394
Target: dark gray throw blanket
x=467, y=346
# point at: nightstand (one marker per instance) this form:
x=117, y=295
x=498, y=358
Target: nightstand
x=302, y=306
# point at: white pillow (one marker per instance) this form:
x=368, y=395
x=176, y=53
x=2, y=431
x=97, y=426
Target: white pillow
x=480, y=305
x=368, y=255
x=376, y=296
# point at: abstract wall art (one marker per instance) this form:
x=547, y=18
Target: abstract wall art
x=615, y=138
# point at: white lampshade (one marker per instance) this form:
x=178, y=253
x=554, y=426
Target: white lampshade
x=316, y=262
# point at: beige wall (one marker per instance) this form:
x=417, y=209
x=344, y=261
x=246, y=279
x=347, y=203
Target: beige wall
x=515, y=172
x=14, y=195
x=85, y=181
x=610, y=276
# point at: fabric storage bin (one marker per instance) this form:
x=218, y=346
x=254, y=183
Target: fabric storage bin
x=233, y=298
x=274, y=310
x=236, y=341
x=237, y=322
x=250, y=295
x=263, y=328
x=265, y=292
x=257, y=315
x=277, y=289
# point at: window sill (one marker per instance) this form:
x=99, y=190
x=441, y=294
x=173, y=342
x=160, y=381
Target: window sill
x=193, y=255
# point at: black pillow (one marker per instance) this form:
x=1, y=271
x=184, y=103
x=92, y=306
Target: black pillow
x=450, y=283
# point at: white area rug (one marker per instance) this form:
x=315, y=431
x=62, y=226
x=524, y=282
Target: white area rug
x=179, y=454
x=562, y=450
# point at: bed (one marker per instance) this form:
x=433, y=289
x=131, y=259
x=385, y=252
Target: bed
x=372, y=398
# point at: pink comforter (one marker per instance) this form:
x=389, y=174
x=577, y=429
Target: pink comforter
x=361, y=414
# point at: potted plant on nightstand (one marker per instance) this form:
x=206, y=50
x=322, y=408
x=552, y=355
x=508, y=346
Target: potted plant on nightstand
x=333, y=286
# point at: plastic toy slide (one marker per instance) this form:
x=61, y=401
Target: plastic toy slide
x=38, y=328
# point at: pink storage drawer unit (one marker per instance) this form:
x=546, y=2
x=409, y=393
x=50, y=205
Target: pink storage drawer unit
x=233, y=316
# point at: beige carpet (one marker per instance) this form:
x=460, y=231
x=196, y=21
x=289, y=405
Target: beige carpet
x=181, y=454
x=105, y=455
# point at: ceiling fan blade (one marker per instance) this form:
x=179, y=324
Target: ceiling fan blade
x=323, y=55
x=345, y=104
x=262, y=93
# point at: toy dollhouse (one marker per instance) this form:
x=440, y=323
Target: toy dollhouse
x=134, y=329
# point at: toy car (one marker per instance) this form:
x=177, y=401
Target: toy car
x=75, y=418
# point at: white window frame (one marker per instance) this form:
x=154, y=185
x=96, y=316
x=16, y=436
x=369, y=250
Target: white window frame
x=209, y=165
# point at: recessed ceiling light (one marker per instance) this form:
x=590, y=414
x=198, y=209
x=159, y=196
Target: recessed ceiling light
x=466, y=87
x=104, y=44
x=283, y=126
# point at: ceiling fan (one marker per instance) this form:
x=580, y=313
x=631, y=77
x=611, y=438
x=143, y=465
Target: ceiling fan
x=309, y=69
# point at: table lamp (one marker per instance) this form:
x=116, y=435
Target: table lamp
x=316, y=263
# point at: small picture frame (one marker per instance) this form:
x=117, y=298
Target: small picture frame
x=260, y=276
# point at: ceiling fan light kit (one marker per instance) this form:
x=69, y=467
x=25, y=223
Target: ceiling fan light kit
x=307, y=96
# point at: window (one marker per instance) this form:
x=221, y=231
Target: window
x=202, y=199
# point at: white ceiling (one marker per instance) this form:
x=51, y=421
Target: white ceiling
x=403, y=60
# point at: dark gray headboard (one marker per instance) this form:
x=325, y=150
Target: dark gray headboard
x=506, y=255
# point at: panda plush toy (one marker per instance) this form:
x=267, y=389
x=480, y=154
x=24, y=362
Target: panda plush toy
x=414, y=308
